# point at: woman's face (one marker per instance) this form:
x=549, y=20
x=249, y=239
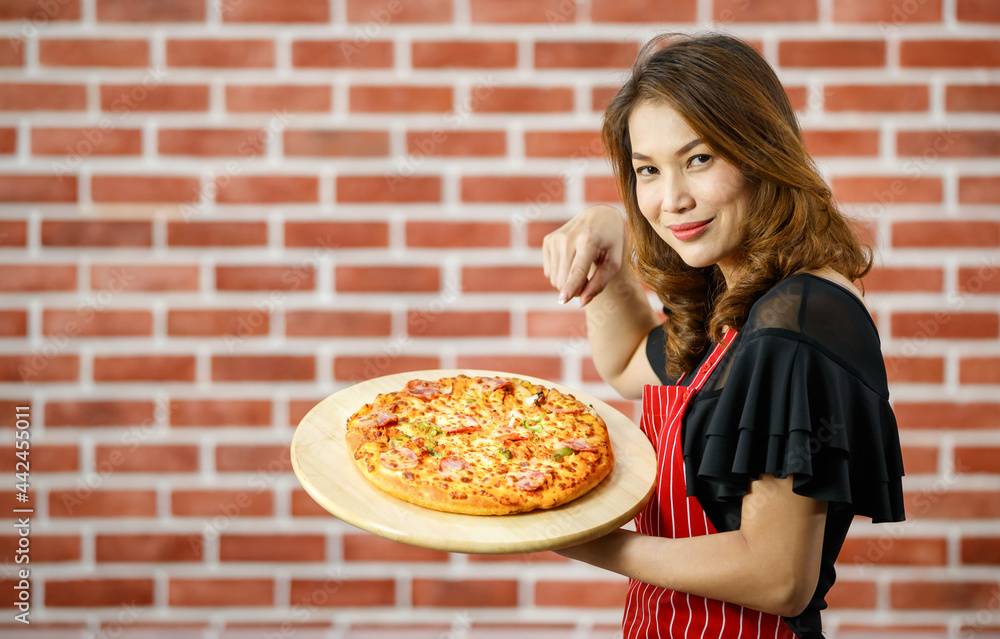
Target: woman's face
x=696, y=201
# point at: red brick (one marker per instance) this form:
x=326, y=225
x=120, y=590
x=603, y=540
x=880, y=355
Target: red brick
x=945, y=325
x=12, y=56
x=513, y=189
x=53, y=52
x=581, y=594
x=852, y=595
x=231, y=233
x=263, y=368
x=337, y=323
x=227, y=54
x=831, y=53
x=268, y=11
x=10, y=408
x=972, y=98
x=448, y=143
x=53, y=458
x=220, y=412
x=764, y=11
x=556, y=324
x=929, y=145
x=364, y=547
x=143, y=189
x=980, y=551
x=979, y=370
x=411, y=11
x=464, y=54
x=32, y=10
x=952, y=504
x=920, y=370
x=887, y=189
x=977, y=459
x=979, y=190
x=99, y=413
x=336, y=143
x=839, y=142
x=541, y=366
x=357, y=368
x=231, y=504
x=388, y=188
x=387, y=279
x=149, y=368
x=283, y=548
x=96, y=233
x=904, y=279
x=889, y=13
x=211, y=142
x=281, y=98
x=942, y=53
x=150, y=11
x=293, y=277
x=441, y=234
x=947, y=415
x=24, y=96
x=514, y=99
x=888, y=549
x=262, y=189
x=297, y=409
x=336, y=235
x=592, y=54
x=104, y=592
x=600, y=96
x=44, y=548
x=148, y=458
x=305, y=506
x=235, y=457
x=39, y=368
x=125, y=98
x=38, y=277
x=338, y=592
x=478, y=593
x=85, y=502
x=504, y=279
x=148, y=548
x=920, y=459
x=981, y=279
x=947, y=595
x=240, y=323
x=37, y=188
x=342, y=54
x=400, y=99
x=86, y=322
x=523, y=11
x=458, y=323
x=220, y=593
x=936, y=234
x=977, y=11
x=13, y=323
x=880, y=97
x=564, y=144
x=643, y=11
x=85, y=142
x=8, y=140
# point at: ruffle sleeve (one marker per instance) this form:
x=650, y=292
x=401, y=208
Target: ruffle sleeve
x=789, y=408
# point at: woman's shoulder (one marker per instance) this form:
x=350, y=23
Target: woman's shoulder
x=810, y=303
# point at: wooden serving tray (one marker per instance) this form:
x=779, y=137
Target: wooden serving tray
x=325, y=469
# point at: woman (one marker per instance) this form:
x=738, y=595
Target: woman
x=764, y=392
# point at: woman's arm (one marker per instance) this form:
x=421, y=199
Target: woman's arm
x=584, y=258
x=770, y=564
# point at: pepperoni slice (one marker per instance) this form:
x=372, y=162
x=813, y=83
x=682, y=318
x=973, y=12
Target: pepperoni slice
x=490, y=384
x=468, y=424
x=399, y=459
x=451, y=463
x=580, y=445
x=422, y=389
x=379, y=419
x=530, y=480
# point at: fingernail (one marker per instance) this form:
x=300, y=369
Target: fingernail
x=562, y=297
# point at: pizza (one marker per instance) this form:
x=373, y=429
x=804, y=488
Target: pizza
x=480, y=445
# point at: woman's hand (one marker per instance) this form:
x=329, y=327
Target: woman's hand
x=582, y=255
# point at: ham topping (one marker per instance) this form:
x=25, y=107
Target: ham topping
x=490, y=384
x=451, y=463
x=422, y=389
x=528, y=480
x=467, y=424
x=380, y=419
x=580, y=445
x=399, y=459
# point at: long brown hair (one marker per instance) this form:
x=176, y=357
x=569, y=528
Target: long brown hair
x=729, y=95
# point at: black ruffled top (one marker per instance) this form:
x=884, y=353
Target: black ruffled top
x=801, y=391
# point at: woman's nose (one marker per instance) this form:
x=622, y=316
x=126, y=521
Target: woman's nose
x=676, y=196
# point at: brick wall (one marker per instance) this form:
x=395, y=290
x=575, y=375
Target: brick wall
x=217, y=213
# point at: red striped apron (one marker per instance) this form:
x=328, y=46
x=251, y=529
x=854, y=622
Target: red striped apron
x=657, y=612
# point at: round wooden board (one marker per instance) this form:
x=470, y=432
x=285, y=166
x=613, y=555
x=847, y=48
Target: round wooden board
x=327, y=472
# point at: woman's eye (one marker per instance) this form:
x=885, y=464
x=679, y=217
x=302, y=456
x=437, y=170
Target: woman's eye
x=698, y=160
x=645, y=170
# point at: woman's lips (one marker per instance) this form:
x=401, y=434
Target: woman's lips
x=689, y=230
